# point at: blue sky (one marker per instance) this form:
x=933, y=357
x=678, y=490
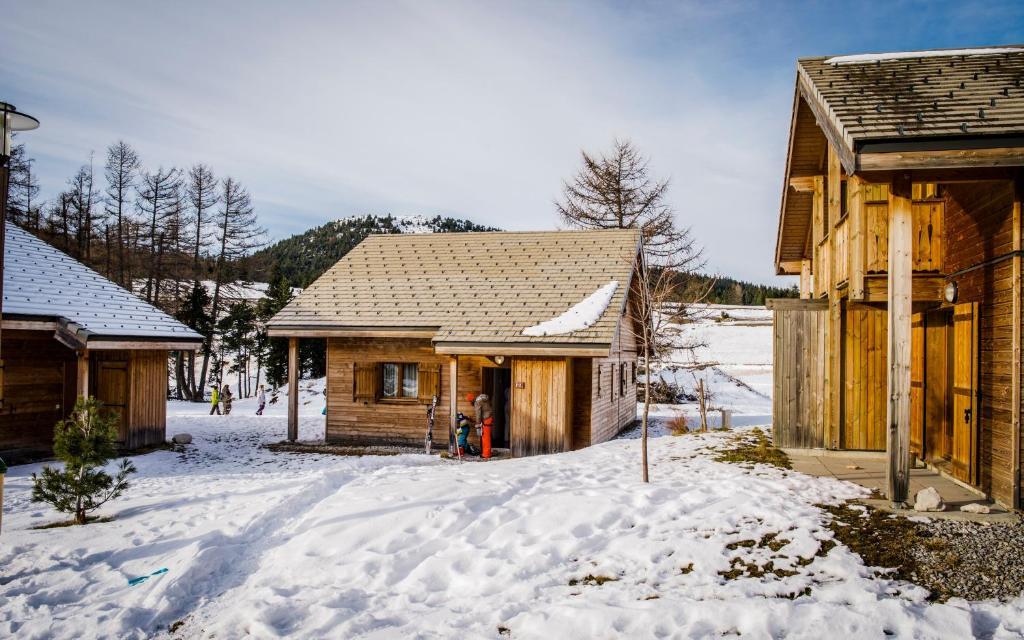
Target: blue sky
x=469, y=109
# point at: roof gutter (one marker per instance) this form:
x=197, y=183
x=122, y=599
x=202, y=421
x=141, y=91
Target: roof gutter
x=523, y=349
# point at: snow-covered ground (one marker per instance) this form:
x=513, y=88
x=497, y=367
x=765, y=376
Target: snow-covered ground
x=263, y=544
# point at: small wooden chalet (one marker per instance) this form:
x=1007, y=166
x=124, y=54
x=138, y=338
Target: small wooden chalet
x=411, y=316
x=67, y=332
x=901, y=215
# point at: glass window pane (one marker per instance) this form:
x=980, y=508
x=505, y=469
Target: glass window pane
x=390, y=380
x=409, y=381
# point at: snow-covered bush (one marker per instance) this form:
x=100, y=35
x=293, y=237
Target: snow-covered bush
x=84, y=443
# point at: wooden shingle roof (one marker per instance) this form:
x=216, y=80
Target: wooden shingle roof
x=953, y=93
x=469, y=288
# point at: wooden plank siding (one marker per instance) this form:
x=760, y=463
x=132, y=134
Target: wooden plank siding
x=864, y=358
x=799, y=382
x=613, y=386
x=979, y=227
x=541, y=405
x=147, y=399
x=37, y=370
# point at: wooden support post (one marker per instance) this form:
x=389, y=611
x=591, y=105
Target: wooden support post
x=293, y=389
x=453, y=396
x=83, y=373
x=858, y=237
x=806, y=285
x=1015, y=390
x=897, y=439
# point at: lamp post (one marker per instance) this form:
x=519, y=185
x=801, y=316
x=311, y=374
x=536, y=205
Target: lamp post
x=10, y=121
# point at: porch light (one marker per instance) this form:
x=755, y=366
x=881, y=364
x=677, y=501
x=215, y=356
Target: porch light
x=499, y=359
x=950, y=292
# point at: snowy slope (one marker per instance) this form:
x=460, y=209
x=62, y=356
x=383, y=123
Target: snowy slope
x=271, y=545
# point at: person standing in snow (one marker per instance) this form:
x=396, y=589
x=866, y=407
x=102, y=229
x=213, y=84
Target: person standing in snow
x=484, y=422
x=214, y=400
x=261, y=401
x=225, y=398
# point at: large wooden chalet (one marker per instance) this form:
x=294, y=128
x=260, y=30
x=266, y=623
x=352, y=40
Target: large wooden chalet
x=901, y=214
x=67, y=332
x=410, y=317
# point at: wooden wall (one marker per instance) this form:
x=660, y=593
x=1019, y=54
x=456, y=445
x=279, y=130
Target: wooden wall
x=541, y=405
x=978, y=227
x=799, y=373
x=613, y=404
x=865, y=343
x=36, y=367
x=147, y=404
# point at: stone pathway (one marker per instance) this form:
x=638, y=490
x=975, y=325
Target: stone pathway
x=868, y=470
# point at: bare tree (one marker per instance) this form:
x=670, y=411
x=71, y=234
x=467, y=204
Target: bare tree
x=616, y=191
x=82, y=199
x=159, y=198
x=202, y=195
x=236, y=234
x=120, y=171
x=23, y=189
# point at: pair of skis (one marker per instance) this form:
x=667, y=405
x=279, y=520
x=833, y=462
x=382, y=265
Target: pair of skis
x=428, y=442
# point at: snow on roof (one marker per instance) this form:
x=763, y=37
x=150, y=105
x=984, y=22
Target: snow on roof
x=578, y=317
x=865, y=58
x=39, y=280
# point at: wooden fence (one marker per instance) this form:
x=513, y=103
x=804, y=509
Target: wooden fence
x=799, y=372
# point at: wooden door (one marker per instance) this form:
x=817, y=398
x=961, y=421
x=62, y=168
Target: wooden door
x=965, y=392
x=938, y=404
x=112, y=391
x=917, y=387
x=541, y=406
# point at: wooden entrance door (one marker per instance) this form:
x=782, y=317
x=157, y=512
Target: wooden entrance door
x=112, y=391
x=938, y=404
x=965, y=392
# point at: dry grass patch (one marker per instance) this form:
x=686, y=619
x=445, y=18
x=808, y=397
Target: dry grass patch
x=754, y=448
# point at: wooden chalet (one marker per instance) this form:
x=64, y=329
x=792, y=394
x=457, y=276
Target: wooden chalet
x=411, y=316
x=901, y=215
x=67, y=332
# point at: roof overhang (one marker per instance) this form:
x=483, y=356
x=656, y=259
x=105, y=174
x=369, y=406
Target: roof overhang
x=73, y=336
x=523, y=349
x=313, y=331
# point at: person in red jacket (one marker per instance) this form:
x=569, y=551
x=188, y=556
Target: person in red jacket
x=484, y=422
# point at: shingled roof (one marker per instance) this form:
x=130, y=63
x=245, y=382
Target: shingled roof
x=43, y=284
x=469, y=288
x=951, y=93
x=935, y=109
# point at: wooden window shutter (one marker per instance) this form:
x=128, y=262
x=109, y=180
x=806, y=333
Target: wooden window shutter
x=429, y=382
x=364, y=381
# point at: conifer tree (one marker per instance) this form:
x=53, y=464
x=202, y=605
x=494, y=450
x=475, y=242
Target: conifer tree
x=84, y=443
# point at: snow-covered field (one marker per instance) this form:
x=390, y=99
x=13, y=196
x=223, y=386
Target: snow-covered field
x=262, y=544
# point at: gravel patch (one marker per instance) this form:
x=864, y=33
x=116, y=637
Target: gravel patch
x=952, y=559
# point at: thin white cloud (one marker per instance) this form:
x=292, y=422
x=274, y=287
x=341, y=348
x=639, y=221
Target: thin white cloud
x=469, y=109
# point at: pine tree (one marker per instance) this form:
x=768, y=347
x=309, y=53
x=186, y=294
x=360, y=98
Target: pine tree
x=23, y=208
x=193, y=313
x=84, y=443
x=279, y=294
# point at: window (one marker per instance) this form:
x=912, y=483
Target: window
x=399, y=380
x=622, y=378
x=599, y=368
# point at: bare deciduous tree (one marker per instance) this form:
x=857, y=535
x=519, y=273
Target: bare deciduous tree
x=120, y=171
x=617, y=191
x=159, y=199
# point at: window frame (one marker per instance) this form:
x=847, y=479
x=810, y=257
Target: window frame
x=401, y=370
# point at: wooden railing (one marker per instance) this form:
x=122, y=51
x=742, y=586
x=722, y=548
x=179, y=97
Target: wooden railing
x=841, y=251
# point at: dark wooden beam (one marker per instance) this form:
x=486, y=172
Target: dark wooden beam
x=293, y=389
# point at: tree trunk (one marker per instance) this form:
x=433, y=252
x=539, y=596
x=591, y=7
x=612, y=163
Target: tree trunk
x=644, y=421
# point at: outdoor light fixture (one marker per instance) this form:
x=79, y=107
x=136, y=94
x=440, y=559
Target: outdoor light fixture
x=499, y=359
x=950, y=292
x=12, y=120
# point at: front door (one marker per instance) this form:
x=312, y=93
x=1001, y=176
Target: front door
x=112, y=391
x=965, y=392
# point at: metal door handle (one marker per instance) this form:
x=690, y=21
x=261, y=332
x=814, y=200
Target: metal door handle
x=967, y=415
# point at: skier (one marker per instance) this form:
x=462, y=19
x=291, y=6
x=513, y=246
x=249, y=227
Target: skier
x=462, y=434
x=261, y=401
x=484, y=422
x=225, y=396
x=214, y=400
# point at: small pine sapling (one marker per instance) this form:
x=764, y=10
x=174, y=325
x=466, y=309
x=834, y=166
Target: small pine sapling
x=84, y=443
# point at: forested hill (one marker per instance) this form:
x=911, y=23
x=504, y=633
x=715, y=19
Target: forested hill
x=303, y=258
x=729, y=291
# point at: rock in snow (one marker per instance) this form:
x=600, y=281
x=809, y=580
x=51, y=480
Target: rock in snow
x=182, y=438
x=928, y=500
x=975, y=507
